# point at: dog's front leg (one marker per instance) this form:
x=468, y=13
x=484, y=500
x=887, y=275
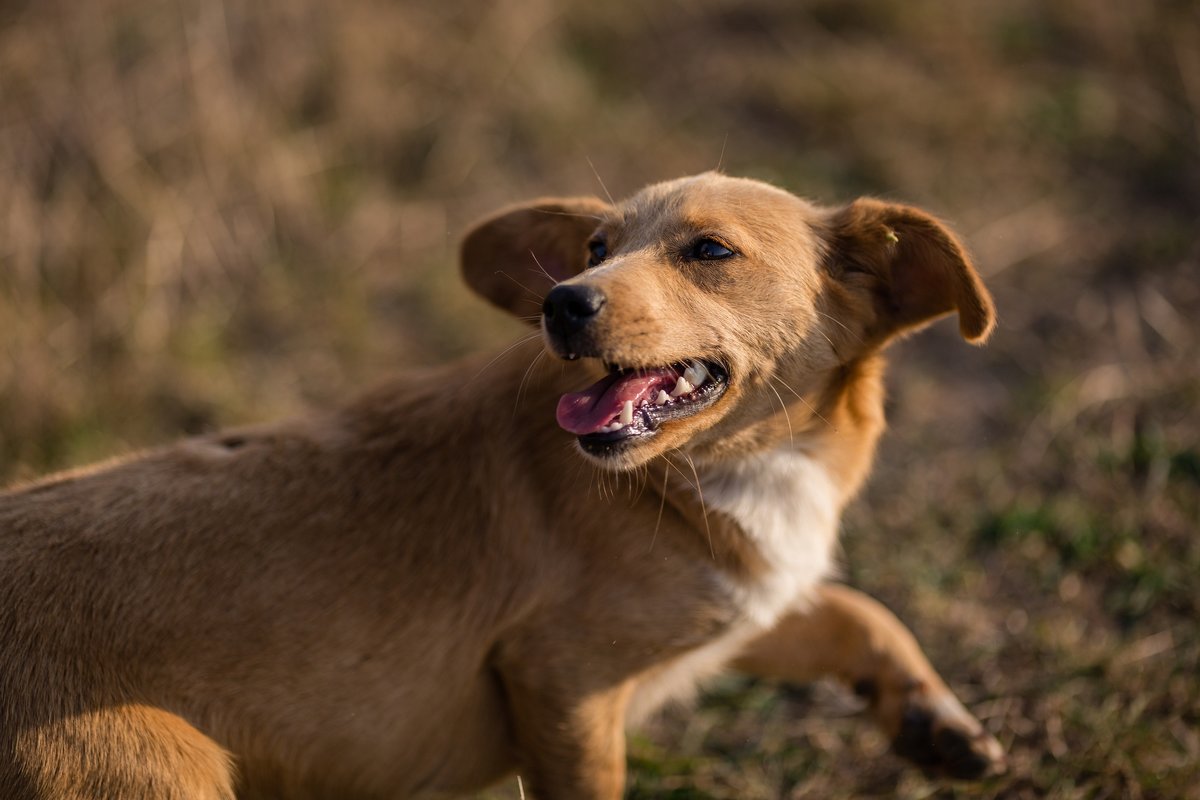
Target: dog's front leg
x=570, y=736
x=846, y=635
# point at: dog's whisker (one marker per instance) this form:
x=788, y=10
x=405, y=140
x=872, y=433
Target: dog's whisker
x=674, y=466
x=578, y=470
x=786, y=416
x=575, y=214
x=518, y=283
x=662, y=503
x=721, y=158
x=643, y=479
x=523, y=340
x=594, y=484
x=602, y=488
x=832, y=346
x=699, y=493
x=838, y=322
x=643, y=473
x=549, y=277
x=703, y=507
x=811, y=407
x=521, y=386
x=601, y=181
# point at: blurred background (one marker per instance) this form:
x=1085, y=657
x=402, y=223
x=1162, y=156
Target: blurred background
x=218, y=212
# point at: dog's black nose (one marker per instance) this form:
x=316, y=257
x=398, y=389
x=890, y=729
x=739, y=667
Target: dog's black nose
x=569, y=308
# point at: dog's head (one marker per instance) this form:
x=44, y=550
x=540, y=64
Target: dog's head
x=704, y=305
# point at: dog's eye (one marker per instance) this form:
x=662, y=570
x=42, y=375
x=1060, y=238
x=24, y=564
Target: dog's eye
x=598, y=251
x=709, y=250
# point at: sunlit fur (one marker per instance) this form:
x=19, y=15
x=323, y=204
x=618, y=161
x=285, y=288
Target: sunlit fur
x=429, y=588
x=794, y=313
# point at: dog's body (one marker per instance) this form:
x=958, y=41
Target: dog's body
x=419, y=593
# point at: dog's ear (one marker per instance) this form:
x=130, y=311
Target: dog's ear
x=902, y=268
x=514, y=257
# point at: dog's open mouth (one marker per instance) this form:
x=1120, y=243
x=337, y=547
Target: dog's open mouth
x=628, y=403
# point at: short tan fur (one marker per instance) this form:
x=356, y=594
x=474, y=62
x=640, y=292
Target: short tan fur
x=430, y=588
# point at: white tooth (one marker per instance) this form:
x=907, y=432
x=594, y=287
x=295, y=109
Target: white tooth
x=696, y=374
x=681, y=387
x=627, y=413
x=662, y=398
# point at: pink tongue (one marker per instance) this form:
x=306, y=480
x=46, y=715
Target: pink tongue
x=596, y=406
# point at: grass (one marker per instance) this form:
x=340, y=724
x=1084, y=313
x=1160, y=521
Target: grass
x=221, y=212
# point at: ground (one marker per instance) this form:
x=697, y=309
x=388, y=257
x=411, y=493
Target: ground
x=222, y=212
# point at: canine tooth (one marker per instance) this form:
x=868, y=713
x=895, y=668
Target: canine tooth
x=627, y=413
x=662, y=398
x=696, y=374
x=681, y=387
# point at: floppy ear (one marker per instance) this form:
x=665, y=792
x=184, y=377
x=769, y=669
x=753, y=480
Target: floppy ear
x=909, y=268
x=514, y=257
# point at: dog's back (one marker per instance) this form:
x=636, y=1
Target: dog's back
x=206, y=585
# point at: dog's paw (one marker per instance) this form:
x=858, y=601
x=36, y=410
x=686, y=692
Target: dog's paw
x=937, y=733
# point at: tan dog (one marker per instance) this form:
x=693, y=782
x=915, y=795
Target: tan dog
x=428, y=589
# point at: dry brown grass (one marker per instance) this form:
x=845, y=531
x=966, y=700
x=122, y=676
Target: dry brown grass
x=222, y=211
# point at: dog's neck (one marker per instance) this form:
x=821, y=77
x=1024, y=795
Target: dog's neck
x=785, y=498
x=769, y=514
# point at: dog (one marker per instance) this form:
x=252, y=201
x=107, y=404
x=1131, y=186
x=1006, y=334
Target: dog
x=437, y=585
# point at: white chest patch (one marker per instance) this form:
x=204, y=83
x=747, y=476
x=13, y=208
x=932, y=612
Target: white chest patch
x=788, y=507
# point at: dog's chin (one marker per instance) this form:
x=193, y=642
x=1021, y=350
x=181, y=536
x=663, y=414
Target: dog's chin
x=661, y=420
